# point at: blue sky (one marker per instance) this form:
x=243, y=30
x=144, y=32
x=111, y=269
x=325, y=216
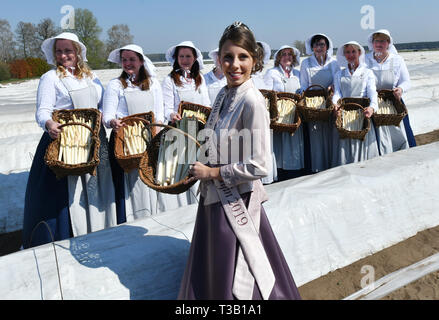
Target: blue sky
x=159, y=24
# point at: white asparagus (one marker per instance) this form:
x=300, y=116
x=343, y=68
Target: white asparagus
x=317, y=102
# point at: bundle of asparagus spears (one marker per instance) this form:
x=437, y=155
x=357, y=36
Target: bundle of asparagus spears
x=191, y=113
x=317, y=102
x=386, y=106
x=135, y=138
x=353, y=119
x=175, y=157
x=286, y=109
x=75, y=144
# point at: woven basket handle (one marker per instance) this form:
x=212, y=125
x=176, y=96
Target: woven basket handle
x=316, y=85
x=352, y=104
x=136, y=118
x=174, y=128
x=76, y=124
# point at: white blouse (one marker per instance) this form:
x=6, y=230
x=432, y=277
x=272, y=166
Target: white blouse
x=274, y=77
x=368, y=88
x=311, y=62
x=53, y=95
x=400, y=71
x=115, y=105
x=171, y=99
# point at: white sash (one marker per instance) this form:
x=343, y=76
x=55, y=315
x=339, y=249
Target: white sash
x=252, y=261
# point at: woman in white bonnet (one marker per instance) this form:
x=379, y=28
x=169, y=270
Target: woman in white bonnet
x=288, y=148
x=318, y=69
x=73, y=205
x=136, y=90
x=357, y=81
x=185, y=82
x=215, y=79
x=391, y=73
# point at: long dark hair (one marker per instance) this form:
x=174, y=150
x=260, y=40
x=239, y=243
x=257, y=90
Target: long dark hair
x=177, y=71
x=143, y=79
x=243, y=37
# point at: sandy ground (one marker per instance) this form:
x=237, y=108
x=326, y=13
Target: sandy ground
x=346, y=281
x=342, y=282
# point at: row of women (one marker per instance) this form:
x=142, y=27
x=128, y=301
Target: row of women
x=316, y=145
x=230, y=258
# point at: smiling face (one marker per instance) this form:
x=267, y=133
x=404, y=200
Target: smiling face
x=287, y=58
x=352, y=54
x=131, y=62
x=237, y=64
x=185, y=58
x=320, y=48
x=380, y=43
x=65, y=53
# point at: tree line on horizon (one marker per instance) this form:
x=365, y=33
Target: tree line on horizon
x=20, y=50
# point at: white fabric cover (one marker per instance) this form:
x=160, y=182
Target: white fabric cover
x=322, y=222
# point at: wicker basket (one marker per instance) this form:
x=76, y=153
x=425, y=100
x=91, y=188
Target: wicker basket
x=130, y=162
x=272, y=106
x=88, y=114
x=390, y=119
x=364, y=102
x=346, y=134
x=312, y=114
x=148, y=165
x=62, y=169
x=283, y=127
x=184, y=105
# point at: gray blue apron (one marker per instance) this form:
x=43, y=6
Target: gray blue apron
x=91, y=198
x=390, y=138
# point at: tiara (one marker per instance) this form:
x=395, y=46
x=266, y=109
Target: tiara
x=235, y=25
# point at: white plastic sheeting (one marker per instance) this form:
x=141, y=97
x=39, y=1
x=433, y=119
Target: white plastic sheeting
x=322, y=222
x=397, y=279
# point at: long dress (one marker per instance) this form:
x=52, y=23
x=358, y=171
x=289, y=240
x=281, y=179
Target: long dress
x=359, y=84
x=318, y=133
x=134, y=198
x=73, y=205
x=288, y=148
x=217, y=267
x=391, y=74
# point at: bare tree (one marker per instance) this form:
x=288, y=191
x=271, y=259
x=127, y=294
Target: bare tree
x=118, y=35
x=26, y=41
x=7, y=45
x=44, y=30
